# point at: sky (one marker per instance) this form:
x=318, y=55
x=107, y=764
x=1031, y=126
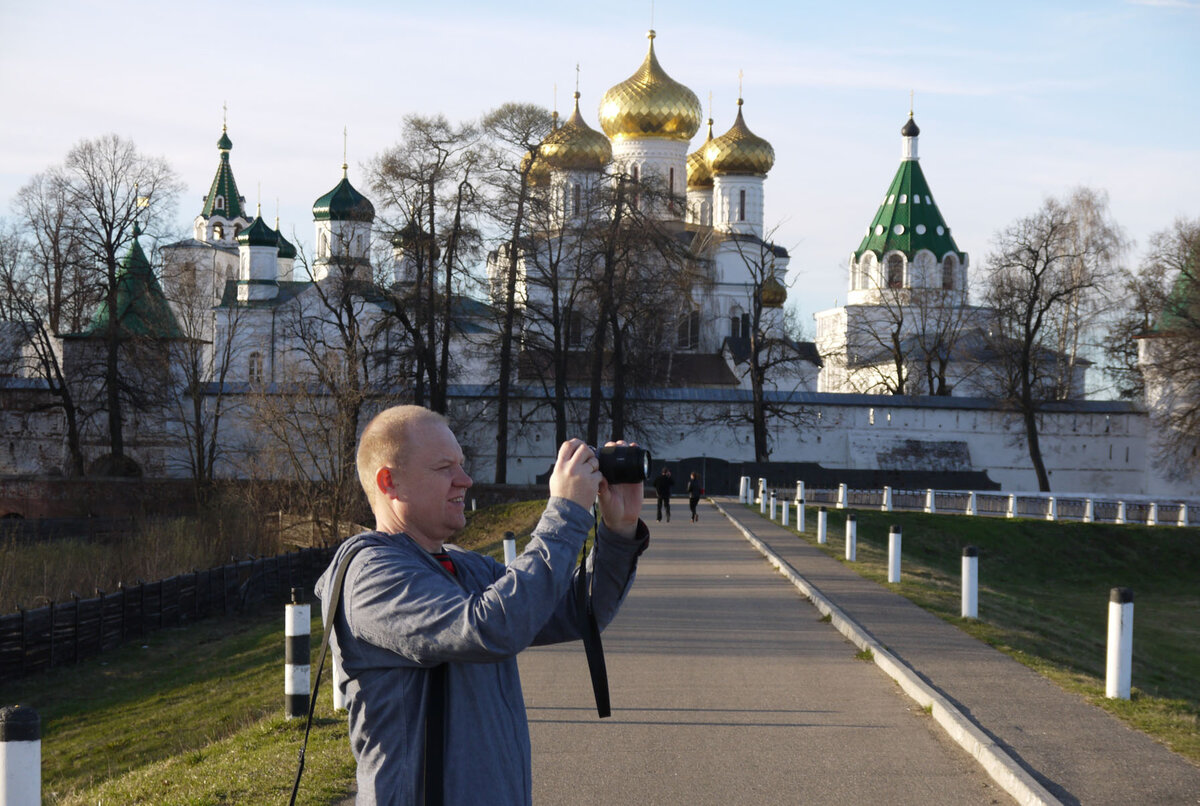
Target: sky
x=1016, y=101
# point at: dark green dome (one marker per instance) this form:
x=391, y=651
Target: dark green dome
x=259, y=233
x=343, y=203
x=286, y=250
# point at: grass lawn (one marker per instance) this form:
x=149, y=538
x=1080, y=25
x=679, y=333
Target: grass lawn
x=1043, y=598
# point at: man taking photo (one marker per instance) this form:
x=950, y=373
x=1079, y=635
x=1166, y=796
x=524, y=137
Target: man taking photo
x=421, y=620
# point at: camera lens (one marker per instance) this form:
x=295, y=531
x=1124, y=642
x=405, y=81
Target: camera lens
x=624, y=464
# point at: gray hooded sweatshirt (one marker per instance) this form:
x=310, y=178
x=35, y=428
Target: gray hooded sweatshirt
x=402, y=614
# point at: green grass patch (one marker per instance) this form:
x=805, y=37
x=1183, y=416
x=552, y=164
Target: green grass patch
x=1043, y=599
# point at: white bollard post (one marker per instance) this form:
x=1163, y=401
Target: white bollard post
x=762, y=504
x=1012, y=505
x=339, y=699
x=744, y=491
x=1117, y=678
x=1183, y=515
x=1052, y=509
x=784, y=521
x=799, y=516
x=894, y=553
x=843, y=497
x=510, y=548
x=772, y=506
x=887, y=499
x=971, y=503
x=297, y=621
x=1152, y=515
x=473, y=505
x=822, y=526
x=970, y=582
x=851, y=538
x=1089, y=510
x=20, y=756
x=930, y=504
x=1120, y=512
x=762, y=489
x=800, y=493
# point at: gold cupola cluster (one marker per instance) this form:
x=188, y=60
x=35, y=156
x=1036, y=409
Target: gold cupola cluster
x=650, y=104
x=739, y=151
x=575, y=146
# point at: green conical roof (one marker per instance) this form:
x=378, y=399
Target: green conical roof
x=343, y=203
x=908, y=220
x=142, y=308
x=286, y=249
x=224, y=188
x=1183, y=304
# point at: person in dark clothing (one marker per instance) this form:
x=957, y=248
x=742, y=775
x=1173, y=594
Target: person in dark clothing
x=694, y=491
x=662, y=486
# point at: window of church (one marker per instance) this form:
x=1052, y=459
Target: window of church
x=948, y=273
x=574, y=329
x=689, y=331
x=255, y=370
x=576, y=198
x=237, y=230
x=218, y=231
x=741, y=205
x=895, y=271
x=219, y=203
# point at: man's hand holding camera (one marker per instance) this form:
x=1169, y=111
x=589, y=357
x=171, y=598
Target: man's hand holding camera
x=577, y=476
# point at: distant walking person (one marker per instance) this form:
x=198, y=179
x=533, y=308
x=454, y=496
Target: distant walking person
x=662, y=486
x=694, y=491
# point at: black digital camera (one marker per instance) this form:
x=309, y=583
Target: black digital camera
x=623, y=464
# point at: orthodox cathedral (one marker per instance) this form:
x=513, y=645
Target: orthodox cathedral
x=906, y=277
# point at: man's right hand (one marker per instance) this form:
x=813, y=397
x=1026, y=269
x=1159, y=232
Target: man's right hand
x=576, y=473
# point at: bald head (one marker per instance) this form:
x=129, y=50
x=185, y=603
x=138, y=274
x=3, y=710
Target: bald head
x=385, y=440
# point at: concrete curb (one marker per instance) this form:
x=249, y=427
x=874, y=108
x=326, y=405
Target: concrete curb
x=1004, y=770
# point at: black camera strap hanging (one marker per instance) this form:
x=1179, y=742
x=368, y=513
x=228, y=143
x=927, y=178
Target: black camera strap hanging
x=590, y=631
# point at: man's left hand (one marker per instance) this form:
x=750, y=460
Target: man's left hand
x=621, y=504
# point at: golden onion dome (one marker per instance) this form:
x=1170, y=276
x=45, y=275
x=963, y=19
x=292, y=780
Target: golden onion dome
x=698, y=174
x=575, y=146
x=773, y=293
x=740, y=151
x=650, y=104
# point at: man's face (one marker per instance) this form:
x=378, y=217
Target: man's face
x=431, y=483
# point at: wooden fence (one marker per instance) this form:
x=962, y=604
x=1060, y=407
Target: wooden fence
x=67, y=632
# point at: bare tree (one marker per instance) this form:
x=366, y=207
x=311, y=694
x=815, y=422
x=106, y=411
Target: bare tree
x=516, y=132
x=111, y=189
x=1046, y=268
x=1171, y=279
x=426, y=185
x=32, y=350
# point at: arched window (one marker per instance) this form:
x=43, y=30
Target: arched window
x=689, y=331
x=948, y=265
x=576, y=198
x=255, y=370
x=741, y=205
x=635, y=175
x=219, y=203
x=237, y=230
x=735, y=323
x=895, y=271
x=218, y=231
x=671, y=182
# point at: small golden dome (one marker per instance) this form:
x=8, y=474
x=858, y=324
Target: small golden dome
x=773, y=293
x=650, y=104
x=740, y=151
x=539, y=174
x=575, y=146
x=698, y=174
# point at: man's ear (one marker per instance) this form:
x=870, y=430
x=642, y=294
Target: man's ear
x=383, y=482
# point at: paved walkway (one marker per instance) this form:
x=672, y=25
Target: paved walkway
x=728, y=687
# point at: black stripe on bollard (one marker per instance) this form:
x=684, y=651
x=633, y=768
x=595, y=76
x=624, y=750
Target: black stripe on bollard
x=1120, y=595
x=970, y=551
x=297, y=652
x=19, y=723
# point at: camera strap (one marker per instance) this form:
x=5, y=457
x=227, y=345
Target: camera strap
x=590, y=631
